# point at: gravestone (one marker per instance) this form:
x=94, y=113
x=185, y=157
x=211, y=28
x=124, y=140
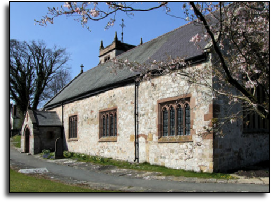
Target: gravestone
x=59, y=148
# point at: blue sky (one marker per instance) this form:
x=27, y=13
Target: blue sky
x=81, y=44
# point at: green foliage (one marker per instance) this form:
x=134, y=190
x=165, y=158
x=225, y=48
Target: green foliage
x=47, y=154
x=67, y=154
x=16, y=141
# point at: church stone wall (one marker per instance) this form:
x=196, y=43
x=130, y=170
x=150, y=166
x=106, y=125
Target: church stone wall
x=87, y=112
x=235, y=149
x=196, y=154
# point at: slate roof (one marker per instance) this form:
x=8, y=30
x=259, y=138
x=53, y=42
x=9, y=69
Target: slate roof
x=175, y=44
x=45, y=118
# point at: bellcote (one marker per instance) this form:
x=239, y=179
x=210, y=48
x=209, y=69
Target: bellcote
x=114, y=49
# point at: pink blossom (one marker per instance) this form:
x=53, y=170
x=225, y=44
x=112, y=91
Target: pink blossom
x=232, y=120
x=196, y=38
x=85, y=20
x=94, y=12
x=83, y=12
x=67, y=5
x=77, y=10
x=257, y=71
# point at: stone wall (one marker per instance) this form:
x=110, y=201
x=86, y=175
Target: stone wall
x=87, y=112
x=40, y=138
x=235, y=149
x=195, y=154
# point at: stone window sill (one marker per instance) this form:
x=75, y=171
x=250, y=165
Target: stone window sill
x=108, y=139
x=172, y=139
x=72, y=139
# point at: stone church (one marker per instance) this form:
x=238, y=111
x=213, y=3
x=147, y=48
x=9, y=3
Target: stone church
x=114, y=116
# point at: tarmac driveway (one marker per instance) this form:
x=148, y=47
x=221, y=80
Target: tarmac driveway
x=98, y=177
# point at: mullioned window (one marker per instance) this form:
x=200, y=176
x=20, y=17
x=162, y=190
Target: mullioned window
x=174, y=120
x=108, y=125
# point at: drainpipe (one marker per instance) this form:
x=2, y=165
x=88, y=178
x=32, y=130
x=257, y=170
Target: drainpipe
x=59, y=141
x=62, y=121
x=136, y=123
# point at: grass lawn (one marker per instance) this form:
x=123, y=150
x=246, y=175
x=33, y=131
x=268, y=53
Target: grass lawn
x=25, y=183
x=16, y=141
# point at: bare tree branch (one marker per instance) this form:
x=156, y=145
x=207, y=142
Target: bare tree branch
x=32, y=67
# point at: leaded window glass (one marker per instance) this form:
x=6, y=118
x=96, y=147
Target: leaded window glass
x=107, y=125
x=115, y=124
x=165, y=122
x=172, y=121
x=111, y=125
x=73, y=126
x=180, y=120
x=104, y=126
x=187, y=119
x=174, y=118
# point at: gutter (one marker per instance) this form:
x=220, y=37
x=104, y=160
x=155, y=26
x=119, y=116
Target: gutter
x=198, y=58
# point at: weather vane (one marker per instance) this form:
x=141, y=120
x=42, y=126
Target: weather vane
x=122, y=26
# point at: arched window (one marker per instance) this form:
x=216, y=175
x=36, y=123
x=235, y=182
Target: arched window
x=187, y=119
x=172, y=121
x=179, y=120
x=165, y=122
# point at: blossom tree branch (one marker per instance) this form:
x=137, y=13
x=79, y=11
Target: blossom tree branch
x=260, y=110
x=237, y=31
x=95, y=14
